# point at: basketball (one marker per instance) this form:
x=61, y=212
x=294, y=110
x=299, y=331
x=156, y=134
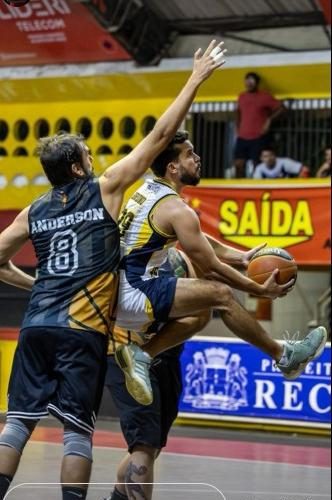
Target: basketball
x=264, y=262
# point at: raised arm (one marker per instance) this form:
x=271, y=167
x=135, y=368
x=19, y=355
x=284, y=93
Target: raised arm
x=129, y=169
x=187, y=228
x=11, y=240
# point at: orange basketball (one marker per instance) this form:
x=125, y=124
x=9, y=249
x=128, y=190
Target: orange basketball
x=264, y=262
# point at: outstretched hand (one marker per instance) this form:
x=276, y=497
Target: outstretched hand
x=205, y=63
x=272, y=289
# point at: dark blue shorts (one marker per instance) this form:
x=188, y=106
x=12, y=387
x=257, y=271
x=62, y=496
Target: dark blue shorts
x=250, y=149
x=142, y=302
x=59, y=371
x=148, y=425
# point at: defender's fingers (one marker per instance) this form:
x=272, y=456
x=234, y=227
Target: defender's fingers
x=210, y=48
x=219, y=59
x=217, y=63
x=217, y=49
x=198, y=53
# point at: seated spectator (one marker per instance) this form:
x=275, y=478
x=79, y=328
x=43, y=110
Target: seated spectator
x=272, y=167
x=325, y=169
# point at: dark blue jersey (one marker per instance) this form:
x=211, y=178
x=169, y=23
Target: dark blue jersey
x=77, y=247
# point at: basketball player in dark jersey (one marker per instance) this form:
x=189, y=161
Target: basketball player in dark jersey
x=59, y=364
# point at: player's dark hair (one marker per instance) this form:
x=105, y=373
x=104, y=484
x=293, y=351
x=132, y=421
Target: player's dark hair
x=170, y=153
x=57, y=154
x=271, y=149
x=253, y=75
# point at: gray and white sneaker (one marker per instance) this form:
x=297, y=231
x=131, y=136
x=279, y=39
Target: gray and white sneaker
x=297, y=354
x=135, y=364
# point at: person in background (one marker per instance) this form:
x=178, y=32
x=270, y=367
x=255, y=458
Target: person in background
x=256, y=111
x=273, y=167
x=325, y=169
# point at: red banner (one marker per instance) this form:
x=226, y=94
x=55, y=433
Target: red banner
x=292, y=216
x=296, y=217
x=54, y=31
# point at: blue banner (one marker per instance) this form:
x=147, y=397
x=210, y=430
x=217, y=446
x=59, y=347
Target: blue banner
x=223, y=377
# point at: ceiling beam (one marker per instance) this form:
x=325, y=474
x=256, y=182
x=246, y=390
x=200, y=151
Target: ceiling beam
x=260, y=43
x=205, y=25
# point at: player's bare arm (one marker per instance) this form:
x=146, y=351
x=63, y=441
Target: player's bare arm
x=231, y=255
x=125, y=172
x=186, y=226
x=11, y=240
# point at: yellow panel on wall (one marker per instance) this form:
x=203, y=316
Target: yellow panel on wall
x=7, y=349
x=285, y=81
x=105, y=124
x=15, y=198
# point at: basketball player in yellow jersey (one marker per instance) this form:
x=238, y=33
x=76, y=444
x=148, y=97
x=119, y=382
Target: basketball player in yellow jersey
x=157, y=217
x=61, y=356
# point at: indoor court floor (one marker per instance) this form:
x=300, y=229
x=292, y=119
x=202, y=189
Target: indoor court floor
x=198, y=464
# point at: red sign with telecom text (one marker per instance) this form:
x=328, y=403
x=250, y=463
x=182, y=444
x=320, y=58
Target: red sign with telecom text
x=291, y=216
x=54, y=32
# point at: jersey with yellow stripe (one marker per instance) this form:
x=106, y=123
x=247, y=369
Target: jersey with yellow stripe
x=144, y=250
x=143, y=245
x=76, y=242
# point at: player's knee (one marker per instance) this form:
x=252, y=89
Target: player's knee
x=225, y=296
x=121, y=476
x=148, y=452
x=77, y=443
x=16, y=433
x=205, y=319
x=202, y=320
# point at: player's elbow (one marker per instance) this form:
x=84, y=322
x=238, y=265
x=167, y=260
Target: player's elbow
x=4, y=269
x=207, y=270
x=4, y=264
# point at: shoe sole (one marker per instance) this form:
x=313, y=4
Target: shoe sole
x=294, y=374
x=135, y=386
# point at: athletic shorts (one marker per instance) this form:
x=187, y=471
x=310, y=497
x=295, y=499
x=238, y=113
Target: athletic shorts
x=59, y=371
x=144, y=302
x=250, y=149
x=148, y=425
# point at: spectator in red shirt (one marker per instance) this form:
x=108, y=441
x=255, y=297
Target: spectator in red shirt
x=255, y=112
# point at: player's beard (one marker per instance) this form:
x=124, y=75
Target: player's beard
x=189, y=179
x=89, y=174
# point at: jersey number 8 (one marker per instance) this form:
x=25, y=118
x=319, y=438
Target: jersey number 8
x=63, y=258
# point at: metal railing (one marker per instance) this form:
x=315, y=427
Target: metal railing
x=322, y=314
x=302, y=133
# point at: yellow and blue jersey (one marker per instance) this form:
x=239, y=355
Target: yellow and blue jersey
x=144, y=295
x=143, y=245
